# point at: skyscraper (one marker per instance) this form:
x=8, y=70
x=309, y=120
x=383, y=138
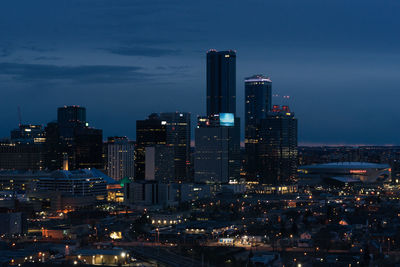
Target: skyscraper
x=221, y=82
x=160, y=163
x=170, y=129
x=217, y=156
x=120, y=158
x=88, y=148
x=70, y=138
x=149, y=132
x=277, y=153
x=258, y=102
x=217, y=136
x=71, y=115
x=178, y=136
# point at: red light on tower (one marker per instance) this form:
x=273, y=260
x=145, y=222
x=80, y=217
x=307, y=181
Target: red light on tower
x=276, y=108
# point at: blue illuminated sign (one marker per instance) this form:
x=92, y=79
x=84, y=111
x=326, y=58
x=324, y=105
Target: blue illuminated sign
x=226, y=119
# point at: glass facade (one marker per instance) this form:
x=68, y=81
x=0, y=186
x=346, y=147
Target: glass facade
x=277, y=152
x=149, y=132
x=178, y=137
x=221, y=82
x=258, y=102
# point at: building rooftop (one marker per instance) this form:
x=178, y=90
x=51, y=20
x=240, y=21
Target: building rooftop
x=257, y=78
x=347, y=165
x=81, y=173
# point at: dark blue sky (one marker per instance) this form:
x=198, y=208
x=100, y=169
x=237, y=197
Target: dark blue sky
x=339, y=60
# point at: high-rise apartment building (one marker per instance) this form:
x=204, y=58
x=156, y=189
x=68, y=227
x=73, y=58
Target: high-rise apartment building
x=120, y=158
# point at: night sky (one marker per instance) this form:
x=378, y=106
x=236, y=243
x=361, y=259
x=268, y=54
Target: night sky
x=338, y=60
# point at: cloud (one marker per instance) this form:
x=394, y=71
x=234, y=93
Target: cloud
x=47, y=58
x=82, y=74
x=36, y=48
x=182, y=68
x=5, y=52
x=143, y=51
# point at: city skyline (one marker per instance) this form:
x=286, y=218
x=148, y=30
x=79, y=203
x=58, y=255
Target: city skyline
x=210, y=133
x=74, y=62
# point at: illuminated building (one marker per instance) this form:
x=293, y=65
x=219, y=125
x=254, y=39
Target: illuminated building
x=221, y=82
x=161, y=219
x=277, y=152
x=59, y=190
x=25, y=149
x=217, y=136
x=108, y=257
x=195, y=191
x=346, y=172
x=171, y=129
x=28, y=133
x=178, y=137
x=120, y=158
x=258, y=102
x=149, y=132
x=70, y=138
x=217, y=156
x=18, y=180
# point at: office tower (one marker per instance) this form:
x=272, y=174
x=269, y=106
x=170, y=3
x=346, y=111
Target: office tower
x=70, y=118
x=73, y=140
x=178, y=137
x=24, y=150
x=71, y=115
x=54, y=147
x=21, y=156
x=28, y=133
x=258, y=102
x=160, y=163
x=278, y=147
x=149, y=132
x=88, y=148
x=221, y=82
x=120, y=158
x=217, y=156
